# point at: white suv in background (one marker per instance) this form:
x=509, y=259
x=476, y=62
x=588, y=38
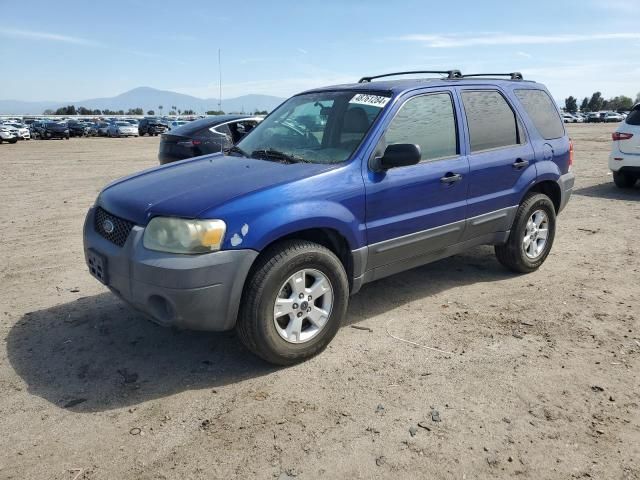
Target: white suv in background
x=23, y=131
x=8, y=134
x=624, y=160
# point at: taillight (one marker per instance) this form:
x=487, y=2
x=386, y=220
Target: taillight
x=570, y=153
x=189, y=143
x=621, y=136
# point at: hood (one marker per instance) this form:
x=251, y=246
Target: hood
x=57, y=128
x=187, y=188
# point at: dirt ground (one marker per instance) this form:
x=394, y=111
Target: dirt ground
x=543, y=380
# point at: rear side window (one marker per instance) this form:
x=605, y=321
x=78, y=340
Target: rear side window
x=492, y=122
x=542, y=111
x=428, y=121
x=634, y=116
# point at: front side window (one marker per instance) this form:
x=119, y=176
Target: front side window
x=429, y=122
x=323, y=127
x=542, y=111
x=491, y=121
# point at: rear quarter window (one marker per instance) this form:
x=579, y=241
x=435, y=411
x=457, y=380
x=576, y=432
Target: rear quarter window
x=542, y=111
x=634, y=116
x=491, y=121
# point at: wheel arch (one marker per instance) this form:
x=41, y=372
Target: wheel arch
x=551, y=189
x=328, y=237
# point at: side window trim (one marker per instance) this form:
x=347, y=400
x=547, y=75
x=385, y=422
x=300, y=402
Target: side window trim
x=399, y=109
x=521, y=133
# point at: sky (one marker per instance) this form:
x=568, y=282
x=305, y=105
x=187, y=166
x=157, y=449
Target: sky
x=71, y=50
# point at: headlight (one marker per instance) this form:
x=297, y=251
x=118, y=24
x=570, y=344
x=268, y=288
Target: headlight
x=179, y=235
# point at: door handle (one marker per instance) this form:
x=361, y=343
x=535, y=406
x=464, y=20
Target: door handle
x=519, y=164
x=451, y=178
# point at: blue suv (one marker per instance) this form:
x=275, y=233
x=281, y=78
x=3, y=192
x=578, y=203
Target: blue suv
x=337, y=187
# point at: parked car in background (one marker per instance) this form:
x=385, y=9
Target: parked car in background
x=151, y=126
x=51, y=130
x=569, y=118
x=77, y=129
x=92, y=129
x=624, y=160
x=35, y=128
x=337, y=187
x=595, y=117
x=122, y=129
x=8, y=134
x=103, y=128
x=207, y=135
x=23, y=131
x=612, y=117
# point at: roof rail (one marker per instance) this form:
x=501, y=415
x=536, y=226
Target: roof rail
x=450, y=74
x=512, y=75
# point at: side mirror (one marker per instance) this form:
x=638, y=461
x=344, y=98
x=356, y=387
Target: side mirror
x=399, y=155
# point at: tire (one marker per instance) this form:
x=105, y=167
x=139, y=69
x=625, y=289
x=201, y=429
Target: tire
x=624, y=180
x=514, y=255
x=13, y=140
x=256, y=326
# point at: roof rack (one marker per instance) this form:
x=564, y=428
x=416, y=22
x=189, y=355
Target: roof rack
x=450, y=74
x=512, y=75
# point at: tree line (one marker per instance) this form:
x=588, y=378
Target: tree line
x=597, y=103
x=72, y=110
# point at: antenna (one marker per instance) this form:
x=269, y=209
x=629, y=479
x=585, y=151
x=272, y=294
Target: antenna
x=220, y=82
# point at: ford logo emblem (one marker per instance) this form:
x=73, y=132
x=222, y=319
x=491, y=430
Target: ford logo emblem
x=108, y=226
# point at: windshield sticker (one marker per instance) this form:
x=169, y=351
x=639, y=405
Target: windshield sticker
x=368, y=99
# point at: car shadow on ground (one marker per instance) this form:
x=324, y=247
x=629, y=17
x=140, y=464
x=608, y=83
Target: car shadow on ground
x=610, y=191
x=96, y=354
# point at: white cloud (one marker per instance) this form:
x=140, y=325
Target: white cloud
x=620, y=6
x=470, y=40
x=302, y=50
x=524, y=54
x=53, y=37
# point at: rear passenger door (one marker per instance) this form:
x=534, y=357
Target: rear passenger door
x=500, y=160
x=420, y=208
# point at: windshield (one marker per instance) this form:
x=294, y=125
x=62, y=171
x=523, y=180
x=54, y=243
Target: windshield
x=323, y=127
x=123, y=124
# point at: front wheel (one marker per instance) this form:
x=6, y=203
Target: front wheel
x=624, y=180
x=531, y=236
x=293, y=303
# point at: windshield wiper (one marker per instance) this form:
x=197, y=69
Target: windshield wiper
x=235, y=149
x=271, y=154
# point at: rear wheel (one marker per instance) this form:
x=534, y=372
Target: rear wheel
x=624, y=180
x=531, y=235
x=294, y=302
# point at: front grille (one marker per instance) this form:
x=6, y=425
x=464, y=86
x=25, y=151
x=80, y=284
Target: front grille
x=121, y=227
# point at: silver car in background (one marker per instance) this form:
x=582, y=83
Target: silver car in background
x=122, y=129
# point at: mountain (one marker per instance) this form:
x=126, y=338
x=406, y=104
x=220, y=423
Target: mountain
x=147, y=98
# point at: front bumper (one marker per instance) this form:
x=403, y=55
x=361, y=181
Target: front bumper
x=198, y=292
x=52, y=134
x=566, y=183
